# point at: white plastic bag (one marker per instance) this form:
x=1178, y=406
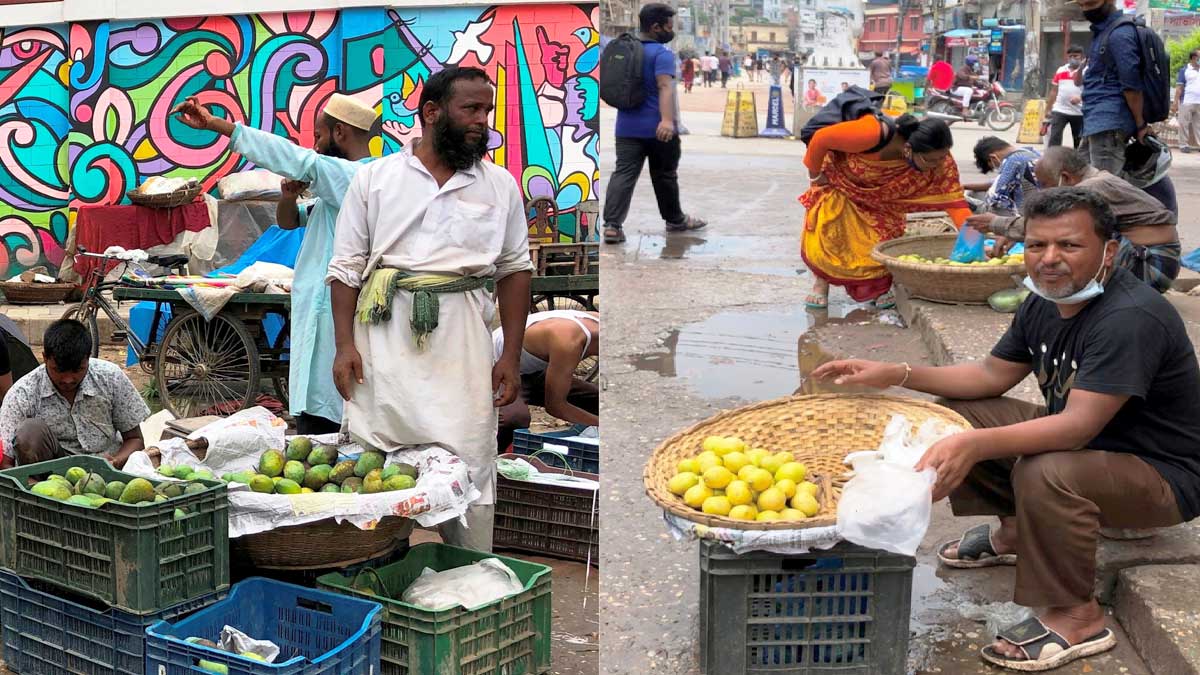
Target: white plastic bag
x=237, y=642
x=253, y=184
x=886, y=506
x=469, y=586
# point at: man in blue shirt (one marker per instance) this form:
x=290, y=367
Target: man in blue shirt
x=649, y=131
x=1112, y=89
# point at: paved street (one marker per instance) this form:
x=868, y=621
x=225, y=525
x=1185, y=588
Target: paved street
x=703, y=322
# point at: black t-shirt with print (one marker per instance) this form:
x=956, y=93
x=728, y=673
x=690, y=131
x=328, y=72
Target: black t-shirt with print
x=1128, y=341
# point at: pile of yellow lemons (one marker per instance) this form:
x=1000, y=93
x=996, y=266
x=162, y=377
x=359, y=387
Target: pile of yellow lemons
x=729, y=479
x=1015, y=259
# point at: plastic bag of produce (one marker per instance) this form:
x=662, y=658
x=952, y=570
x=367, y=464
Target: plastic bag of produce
x=235, y=641
x=469, y=586
x=969, y=246
x=886, y=506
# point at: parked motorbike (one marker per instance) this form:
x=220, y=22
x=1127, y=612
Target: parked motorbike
x=988, y=106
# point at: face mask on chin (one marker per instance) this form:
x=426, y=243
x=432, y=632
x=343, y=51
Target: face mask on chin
x=1099, y=14
x=665, y=36
x=1093, y=289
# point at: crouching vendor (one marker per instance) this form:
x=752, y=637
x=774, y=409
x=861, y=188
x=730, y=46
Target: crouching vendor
x=1116, y=445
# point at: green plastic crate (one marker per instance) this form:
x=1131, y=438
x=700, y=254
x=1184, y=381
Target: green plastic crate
x=135, y=558
x=507, y=637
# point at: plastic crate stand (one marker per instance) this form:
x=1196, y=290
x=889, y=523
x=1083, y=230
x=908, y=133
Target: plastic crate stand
x=553, y=520
x=844, y=611
x=135, y=558
x=318, y=633
x=510, y=636
x=579, y=456
x=45, y=633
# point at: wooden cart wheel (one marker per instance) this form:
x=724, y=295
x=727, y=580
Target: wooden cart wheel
x=280, y=382
x=86, y=316
x=207, y=367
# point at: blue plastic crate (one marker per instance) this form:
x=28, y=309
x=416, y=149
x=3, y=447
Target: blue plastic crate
x=318, y=633
x=44, y=633
x=579, y=456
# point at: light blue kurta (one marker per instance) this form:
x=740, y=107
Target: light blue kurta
x=310, y=380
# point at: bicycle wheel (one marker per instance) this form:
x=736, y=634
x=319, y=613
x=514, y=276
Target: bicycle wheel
x=207, y=367
x=280, y=382
x=588, y=369
x=86, y=314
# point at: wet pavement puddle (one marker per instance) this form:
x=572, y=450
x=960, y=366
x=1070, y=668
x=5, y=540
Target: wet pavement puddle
x=681, y=246
x=751, y=355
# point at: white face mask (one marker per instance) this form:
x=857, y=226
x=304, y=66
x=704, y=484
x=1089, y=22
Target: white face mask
x=1091, y=290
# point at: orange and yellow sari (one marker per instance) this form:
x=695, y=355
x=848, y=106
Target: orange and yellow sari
x=865, y=202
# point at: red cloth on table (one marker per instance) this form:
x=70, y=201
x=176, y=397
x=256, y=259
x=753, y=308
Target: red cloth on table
x=131, y=226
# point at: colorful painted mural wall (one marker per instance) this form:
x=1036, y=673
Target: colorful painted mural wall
x=83, y=106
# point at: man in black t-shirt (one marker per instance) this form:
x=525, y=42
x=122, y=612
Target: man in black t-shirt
x=1116, y=445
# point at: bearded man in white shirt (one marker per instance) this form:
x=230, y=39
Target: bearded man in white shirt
x=419, y=235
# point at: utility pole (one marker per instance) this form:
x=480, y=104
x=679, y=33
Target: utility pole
x=1034, y=80
x=900, y=39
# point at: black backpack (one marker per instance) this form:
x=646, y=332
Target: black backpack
x=847, y=107
x=621, y=79
x=1156, y=65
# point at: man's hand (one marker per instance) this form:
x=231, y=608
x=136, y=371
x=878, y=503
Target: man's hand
x=193, y=114
x=347, y=371
x=1003, y=244
x=292, y=189
x=1143, y=133
x=1076, y=100
x=857, y=371
x=506, y=380
x=665, y=131
x=980, y=222
x=952, y=458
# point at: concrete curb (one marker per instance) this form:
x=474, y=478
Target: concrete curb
x=1157, y=607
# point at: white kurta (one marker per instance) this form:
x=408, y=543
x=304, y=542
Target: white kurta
x=395, y=215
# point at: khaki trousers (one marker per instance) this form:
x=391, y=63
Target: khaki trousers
x=1189, y=125
x=1060, y=500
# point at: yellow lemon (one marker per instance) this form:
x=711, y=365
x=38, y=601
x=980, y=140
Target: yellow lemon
x=772, y=499
x=767, y=516
x=806, y=503
x=762, y=480
x=787, y=486
x=707, y=460
x=792, y=514
x=689, y=466
x=785, y=457
x=739, y=493
x=682, y=482
x=696, y=495
x=718, y=493
x=771, y=463
x=793, y=471
x=736, y=444
x=747, y=473
x=810, y=488
x=717, y=477
x=734, y=461
x=743, y=512
x=710, y=443
x=716, y=506
x=756, y=456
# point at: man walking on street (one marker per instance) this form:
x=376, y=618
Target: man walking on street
x=726, y=67
x=649, y=132
x=776, y=71
x=1112, y=88
x=1187, y=101
x=881, y=73
x=343, y=133
x=1067, y=96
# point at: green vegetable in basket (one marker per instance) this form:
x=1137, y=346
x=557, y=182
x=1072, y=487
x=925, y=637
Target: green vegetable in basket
x=407, y=470
x=60, y=479
x=171, y=490
x=194, y=489
x=352, y=484
x=159, y=499
x=1008, y=300
x=242, y=477
x=167, y=470
x=75, y=474
x=80, y=500
x=342, y=471
x=262, y=483
x=92, y=484
x=202, y=474
x=399, y=482
x=298, y=448
x=317, y=476
x=330, y=487
x=180, y=514
x=294, y=471
x=138, y=490
x=114, y=489
x=373, y=482
x=368, y=462
x=213, y=667
x=287, y=486
x=98, y=501
x=184, y=471
x=271, y=463
x=323, y=454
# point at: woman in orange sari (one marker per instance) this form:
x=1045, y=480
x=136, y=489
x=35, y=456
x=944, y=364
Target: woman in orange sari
x=861, y=193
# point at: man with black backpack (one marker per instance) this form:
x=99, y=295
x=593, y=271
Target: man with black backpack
x=637, y=77
x=1126, y=86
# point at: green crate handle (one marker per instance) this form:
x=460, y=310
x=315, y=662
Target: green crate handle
x=371, y=570
x=560, y=455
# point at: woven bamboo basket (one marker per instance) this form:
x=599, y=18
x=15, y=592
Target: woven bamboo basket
x=179, y=197
x=955, y=284
x=36, y=293
x=931, y=222
x=324, y=543
x=819, y=430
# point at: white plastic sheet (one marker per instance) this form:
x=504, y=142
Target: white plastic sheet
x=469, y=586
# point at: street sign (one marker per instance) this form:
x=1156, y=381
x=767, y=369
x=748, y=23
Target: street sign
x=741, y=117
x=775, y=123
x=1031, y=123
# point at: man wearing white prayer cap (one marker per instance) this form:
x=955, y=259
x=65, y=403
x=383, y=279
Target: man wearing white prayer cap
x=342, y=140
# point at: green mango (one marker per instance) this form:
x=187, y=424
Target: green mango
x=399, y=482
x=202, y=474
x=98, y=501
x=184, y=471
x=227, y=477
x=80, y=500
x=294, y=471
x=287, y=486
x=159, y=498
x=262, y=483
x=352, y=484
x=172, y=490
x=317, y=476
x=298, y=448
x=373, y=482
x=342, y=471
x=114, y=489
x=271, y=463
x=167, y=470
x=389, y=471
x=54, y=489
x=75, y=474
x=194, y=489
x=323, y=454
x=92, y=484
x=213, y=667
x=138, y=491
x=330, y=487
x=368, y=462
x=180, y=514
x=406, y=470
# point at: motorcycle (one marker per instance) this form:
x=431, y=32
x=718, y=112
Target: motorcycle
x=988, y=106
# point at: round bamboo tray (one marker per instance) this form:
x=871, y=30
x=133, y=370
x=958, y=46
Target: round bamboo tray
x=955, y=284
x=931, y=222
x=819, y=430
x=179, y=197
x=324, y=543
x=36, y=293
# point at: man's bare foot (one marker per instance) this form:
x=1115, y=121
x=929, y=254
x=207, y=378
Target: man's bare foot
x=1004, y=540
x=1075, y=624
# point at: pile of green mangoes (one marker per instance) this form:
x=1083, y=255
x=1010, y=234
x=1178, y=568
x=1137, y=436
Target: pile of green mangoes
x=89, y=490
x=303, y=469
x=1015, y=259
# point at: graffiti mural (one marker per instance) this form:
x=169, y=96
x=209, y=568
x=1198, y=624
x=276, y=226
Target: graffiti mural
x=83, y=107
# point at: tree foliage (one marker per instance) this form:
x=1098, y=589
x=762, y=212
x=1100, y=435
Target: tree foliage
x=1179, y=50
